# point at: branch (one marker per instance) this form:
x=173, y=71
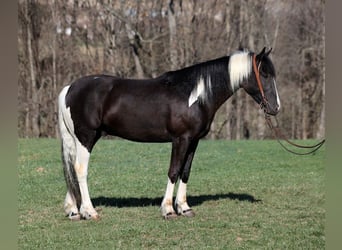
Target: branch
x=129, y=26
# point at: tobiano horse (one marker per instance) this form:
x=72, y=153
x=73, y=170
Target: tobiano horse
x=177, y=107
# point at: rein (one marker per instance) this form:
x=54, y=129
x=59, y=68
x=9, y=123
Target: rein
x=276, y=130
x=280, y=136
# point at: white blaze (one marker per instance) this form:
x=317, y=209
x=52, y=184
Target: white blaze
x=278, y=99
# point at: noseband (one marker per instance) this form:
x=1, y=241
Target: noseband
x=276, y=130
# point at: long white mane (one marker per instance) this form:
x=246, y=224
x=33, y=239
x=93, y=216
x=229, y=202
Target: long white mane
x=239, y=68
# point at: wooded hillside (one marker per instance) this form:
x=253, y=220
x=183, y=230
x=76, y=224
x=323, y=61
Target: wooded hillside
x=59, y=41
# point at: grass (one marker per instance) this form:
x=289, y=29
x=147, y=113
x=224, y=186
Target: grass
x=246, y=195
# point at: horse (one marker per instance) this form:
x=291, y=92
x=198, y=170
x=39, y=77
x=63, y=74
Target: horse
x=177, y=107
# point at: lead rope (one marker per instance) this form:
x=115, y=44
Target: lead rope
x=279, y=135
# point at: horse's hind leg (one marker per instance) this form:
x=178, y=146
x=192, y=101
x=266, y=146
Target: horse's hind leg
x=68, y=156
x=87, y=210
x=70, y=207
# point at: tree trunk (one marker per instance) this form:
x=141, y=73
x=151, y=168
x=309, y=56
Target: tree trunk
x=53, y=10
x=321, y=127
x=34, y=105
x=131, y=36
x=173, y=35
x=228, y=105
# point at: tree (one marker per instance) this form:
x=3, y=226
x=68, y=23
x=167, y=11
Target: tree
x=59, y=41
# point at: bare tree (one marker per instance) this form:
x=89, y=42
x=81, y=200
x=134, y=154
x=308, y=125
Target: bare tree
x=173, y=34
x=59, y=41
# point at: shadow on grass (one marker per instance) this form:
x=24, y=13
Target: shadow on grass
x=193, y=200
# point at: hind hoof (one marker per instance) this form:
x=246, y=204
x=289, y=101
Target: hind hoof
x=188, y=213
x=74, y=216
x=88, y=216
x=170, y=216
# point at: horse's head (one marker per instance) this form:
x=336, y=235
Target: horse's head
x=262, y=86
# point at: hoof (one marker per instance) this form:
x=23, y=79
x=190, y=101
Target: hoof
x=170, y=216
x=188, y=213
x=96, y=217
x=90, y=217
x=74, y=216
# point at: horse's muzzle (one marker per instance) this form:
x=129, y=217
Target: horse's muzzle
x=271, y=110
x=268, y=108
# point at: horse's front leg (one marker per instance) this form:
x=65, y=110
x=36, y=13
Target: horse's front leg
x=181, y=202
x=180, y=147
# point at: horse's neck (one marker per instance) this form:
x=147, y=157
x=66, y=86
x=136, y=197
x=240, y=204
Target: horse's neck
x=220, y=94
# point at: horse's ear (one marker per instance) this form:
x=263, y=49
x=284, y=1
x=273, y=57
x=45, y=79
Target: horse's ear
x=263, y=51
x=261, y=54
x=268, y=52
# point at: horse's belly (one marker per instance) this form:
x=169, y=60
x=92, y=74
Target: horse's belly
x=146, y=128
x=145, y=118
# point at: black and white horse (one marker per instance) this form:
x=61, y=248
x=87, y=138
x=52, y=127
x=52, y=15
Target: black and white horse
x=176, y=107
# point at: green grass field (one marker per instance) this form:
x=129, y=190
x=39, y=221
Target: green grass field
x=246, y=195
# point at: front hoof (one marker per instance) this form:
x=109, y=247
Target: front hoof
x=170, y=216
x=188, y=213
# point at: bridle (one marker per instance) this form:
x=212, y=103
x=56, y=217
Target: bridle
x=276, y=130
x=264, y=102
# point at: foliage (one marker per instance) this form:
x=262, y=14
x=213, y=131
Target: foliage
x=246, y=195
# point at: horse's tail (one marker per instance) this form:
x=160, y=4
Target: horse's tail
x=66, y=128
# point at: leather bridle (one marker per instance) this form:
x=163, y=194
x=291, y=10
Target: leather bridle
x=276, y=130
x=264, y=102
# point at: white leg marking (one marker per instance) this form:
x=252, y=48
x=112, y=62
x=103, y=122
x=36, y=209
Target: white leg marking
x=167, y=204
x=70, y=205
x=81, y=167
x=181, y=202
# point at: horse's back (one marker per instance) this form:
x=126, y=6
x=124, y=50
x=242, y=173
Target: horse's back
x=89, y=87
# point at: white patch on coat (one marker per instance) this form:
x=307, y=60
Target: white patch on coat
x=200, y=91
x=208, y=87
x=66, y=125
x=239, y=68
x=64, y=111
